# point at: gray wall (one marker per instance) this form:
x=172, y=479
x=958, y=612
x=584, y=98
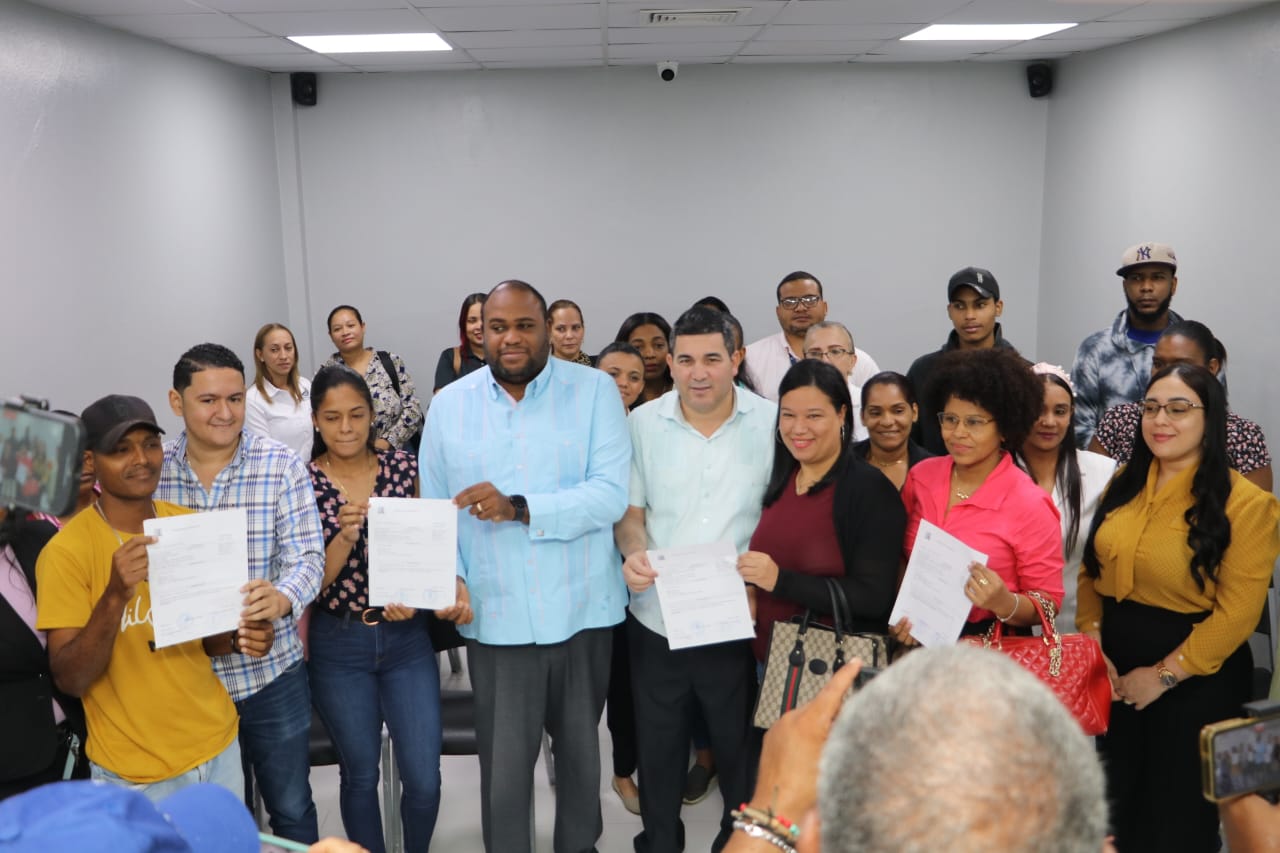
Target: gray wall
x=1173, y=138
x=139, y=209
x=624, y=193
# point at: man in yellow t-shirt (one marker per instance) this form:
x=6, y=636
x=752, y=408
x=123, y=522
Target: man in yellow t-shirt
x=158, y=719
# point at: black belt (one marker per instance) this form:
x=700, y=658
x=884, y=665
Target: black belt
x=368, y=616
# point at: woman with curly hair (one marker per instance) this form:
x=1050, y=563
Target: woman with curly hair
x=1175, y=574
x=987, y=401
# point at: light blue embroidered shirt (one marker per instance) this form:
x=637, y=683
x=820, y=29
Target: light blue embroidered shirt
x=286, y=545
x=565, y=447
x=695, y=489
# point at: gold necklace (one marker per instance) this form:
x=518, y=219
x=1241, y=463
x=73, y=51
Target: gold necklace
x=880, y=464
x=328, y=464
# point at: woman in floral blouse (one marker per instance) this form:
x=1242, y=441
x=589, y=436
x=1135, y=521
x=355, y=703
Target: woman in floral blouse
x=370, y=664
x=397, y=412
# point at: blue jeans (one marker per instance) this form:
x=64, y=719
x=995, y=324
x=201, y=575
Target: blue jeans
x=362, y=675
x=223, y=769
x=275, y=741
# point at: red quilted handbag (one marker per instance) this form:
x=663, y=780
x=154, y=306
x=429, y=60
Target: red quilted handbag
x=1072, y=666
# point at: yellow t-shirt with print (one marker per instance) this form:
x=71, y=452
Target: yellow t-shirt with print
x=151, y=715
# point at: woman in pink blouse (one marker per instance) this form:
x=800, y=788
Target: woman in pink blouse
x=987, y=402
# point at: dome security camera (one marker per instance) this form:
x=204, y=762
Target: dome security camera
x=667, y=71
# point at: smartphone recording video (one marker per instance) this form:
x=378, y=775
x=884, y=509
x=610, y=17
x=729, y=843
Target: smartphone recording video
x=1241, y=756
x=41, y=454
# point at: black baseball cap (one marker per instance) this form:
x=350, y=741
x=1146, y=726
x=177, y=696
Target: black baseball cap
x=106, y=421
x=976, y=277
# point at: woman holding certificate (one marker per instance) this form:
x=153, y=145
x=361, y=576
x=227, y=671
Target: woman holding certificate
x=370, y=664
x=987, y=401
x=827, y=513
x=1175, y=575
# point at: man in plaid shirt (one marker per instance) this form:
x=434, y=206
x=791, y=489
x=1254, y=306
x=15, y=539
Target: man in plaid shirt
x=215, y=464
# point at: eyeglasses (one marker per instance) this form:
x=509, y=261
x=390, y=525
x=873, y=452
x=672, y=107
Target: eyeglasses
x=791, y=303
x=949, y=421
x=1176, y=409
x=826, y=355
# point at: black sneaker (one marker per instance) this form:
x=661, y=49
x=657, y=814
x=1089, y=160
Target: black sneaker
x=698, y=784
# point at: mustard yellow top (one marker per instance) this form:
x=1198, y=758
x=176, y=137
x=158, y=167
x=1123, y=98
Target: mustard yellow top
x=1142, y=548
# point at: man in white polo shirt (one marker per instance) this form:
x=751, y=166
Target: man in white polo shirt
x=801, y=305
x=702, y=454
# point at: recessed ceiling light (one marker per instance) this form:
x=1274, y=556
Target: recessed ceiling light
x=985, y=32
x=376, y=43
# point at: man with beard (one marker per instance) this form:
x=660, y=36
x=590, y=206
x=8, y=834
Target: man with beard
x=801, y=305
x=536, y=450
x=1113, y=365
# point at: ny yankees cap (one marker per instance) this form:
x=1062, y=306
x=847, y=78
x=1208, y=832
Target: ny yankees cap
x=1147, y=253
x=979, y=279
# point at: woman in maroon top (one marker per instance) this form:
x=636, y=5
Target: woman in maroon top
x=827, y=513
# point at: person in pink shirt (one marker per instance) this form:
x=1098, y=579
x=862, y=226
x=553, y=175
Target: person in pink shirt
x=987, y=402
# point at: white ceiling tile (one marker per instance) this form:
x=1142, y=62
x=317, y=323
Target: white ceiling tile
x=285, y=62
x=443, y=57
x=1185, y=11
x=931, y=51
x=435, y=4
x=240, y=46
x=124, y=7
x=752, y=59
x=516, y=54
x=703, y=60
x=209, y=25
x=524, y=38
x=337, y=23
x=805, y=32
x=803, y=48
x=1115, y=30
x=1044, y=47
x=668, y=35
x=536, y=63
x=867, y=11
x=636, y=14
x=559, y=16
x=1037, y=12
x=400, y=69
x=1001, y=57
x=269, y=6
x=680, y=51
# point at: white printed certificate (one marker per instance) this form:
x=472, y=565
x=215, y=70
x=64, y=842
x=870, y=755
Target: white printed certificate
x=932, y=594
x=413, y=552
x=702, y=596
x=195, y=571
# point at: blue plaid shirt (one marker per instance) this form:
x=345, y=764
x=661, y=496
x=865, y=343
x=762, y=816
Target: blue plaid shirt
x=286, y=545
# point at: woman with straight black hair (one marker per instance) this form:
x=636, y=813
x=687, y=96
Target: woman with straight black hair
x=827, y=513
x=1175, y=574
x=1075, y=479
x=888, y=411
x=651, y=335
x=468, y=353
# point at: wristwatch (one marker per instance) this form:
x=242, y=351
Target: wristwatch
x=521, y=507
x=1166, y=676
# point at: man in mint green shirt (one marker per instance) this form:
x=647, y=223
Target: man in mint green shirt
x=701, y=460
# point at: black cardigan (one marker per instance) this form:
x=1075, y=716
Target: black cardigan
x=28, y=736
x=871, y=522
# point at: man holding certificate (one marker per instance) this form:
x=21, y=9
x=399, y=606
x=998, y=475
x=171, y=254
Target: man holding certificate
x=158, y=718
x=215, y=465
x=703, y=454
x=536, y=451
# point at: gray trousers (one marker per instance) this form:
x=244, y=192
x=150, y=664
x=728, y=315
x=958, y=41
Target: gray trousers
x=519, y=691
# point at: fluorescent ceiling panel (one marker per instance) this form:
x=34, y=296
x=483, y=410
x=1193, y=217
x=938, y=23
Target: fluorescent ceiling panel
x=376, y=43
x=985, y=32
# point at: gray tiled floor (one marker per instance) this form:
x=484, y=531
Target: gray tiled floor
x=458, y=827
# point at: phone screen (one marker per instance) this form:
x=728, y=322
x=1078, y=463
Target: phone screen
x=1246, y=758
x=41, y=454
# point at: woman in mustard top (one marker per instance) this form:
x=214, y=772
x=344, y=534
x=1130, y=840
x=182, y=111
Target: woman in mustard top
x=1175, y=573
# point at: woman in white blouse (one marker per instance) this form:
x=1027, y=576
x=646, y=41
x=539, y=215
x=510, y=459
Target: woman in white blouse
x=1074, y=478
x=279, y=403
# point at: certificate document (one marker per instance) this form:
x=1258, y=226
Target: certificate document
x=195, y=571
x=702, y=596
x=413, y=552
x=932, y=594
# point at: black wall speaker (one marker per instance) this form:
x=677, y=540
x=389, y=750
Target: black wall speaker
x=303, y=84
x=1039, y=80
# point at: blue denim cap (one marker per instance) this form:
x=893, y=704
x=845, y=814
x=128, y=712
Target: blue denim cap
x=80, y=817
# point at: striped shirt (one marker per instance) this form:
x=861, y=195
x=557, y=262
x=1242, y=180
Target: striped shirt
x=286, y=545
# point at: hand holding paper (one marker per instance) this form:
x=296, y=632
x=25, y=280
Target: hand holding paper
x=933, y=596
x=413, y=552
x=703, y=599
x=196, y=567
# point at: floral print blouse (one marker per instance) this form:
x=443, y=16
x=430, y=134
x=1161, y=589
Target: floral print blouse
x=396, y=417
x=397, y=474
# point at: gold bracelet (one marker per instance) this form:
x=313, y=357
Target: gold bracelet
x=1013, y=612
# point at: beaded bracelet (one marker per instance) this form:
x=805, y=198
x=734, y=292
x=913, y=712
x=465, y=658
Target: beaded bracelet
x=764, y=833
x=777, y=824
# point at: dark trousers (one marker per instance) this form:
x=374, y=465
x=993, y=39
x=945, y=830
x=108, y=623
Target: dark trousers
x=1152, y=757
x=720, y=681
x=519, y=691
x=621, y=709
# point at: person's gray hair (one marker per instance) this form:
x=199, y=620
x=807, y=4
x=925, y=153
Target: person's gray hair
x=959, y=749
x=830, y=324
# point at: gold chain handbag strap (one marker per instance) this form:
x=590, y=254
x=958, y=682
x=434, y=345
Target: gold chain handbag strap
x=1050, y=628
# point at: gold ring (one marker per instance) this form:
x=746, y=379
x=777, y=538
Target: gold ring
x=982, y=581
x=480, y=506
